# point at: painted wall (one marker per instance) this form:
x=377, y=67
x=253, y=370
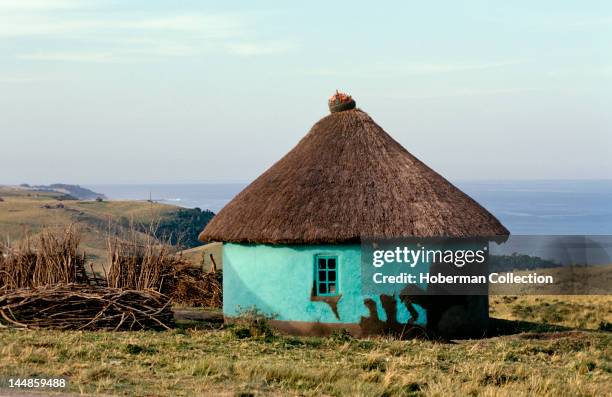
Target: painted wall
x=278, y=281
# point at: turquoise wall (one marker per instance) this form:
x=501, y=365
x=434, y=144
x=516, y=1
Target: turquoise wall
x=278, y=281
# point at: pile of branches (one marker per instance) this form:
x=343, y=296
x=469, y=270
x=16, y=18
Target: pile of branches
x=141, y=265
x=44, y=284
x=149, y=265
x=50, y=257
x=85, y=307
x=193, y=287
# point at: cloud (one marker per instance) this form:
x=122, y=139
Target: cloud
x=126, y=37
x=207, y=25
x=69, y=56
x=34, y=5
x=131, y=50
x=21, y=79
x=414, y=68
x=203, y=25
x=460, y=93
x=259, y=48
x=591, y=19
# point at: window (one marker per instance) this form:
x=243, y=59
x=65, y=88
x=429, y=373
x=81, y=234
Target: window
x=326, y=275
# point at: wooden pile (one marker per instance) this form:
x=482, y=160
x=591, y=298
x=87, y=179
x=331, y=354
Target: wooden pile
x=138, y=266
x=43, y=284
x=192, y=287
x=85, y=307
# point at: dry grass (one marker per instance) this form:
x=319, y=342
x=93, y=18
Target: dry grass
x=150, y=265
x=591, y=312
x=140, y=265
x=187, y=362
x=50, y=257
x=200, y=362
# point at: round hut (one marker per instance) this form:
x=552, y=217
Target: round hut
x=291, y=239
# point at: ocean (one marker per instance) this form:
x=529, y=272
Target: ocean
x=553, y=207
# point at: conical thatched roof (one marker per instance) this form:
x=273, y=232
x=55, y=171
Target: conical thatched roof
x=348, y=179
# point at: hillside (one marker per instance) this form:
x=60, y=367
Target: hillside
x=23, y=211
x=578, y=280
x=201, y=255
x=76, y=191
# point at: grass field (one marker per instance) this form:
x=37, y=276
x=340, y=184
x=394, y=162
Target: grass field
x=23, y=212
x=564, y=351
x=538, y=345
x=589, y=312
x=201, y=255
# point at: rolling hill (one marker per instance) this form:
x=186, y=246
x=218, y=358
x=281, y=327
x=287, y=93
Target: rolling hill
x=25, y=212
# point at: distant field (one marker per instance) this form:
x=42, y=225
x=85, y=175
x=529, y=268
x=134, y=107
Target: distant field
x=201, y=255
x=587, y=312
x=594, y=279
x=25, y=212
x=560, y=347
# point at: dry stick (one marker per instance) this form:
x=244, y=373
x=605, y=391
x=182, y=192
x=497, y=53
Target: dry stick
x=93, y=273
x=93, y=320
x=10, y=320
x=214, y=264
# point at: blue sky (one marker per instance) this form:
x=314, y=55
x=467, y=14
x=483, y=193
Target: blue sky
x=161, y=92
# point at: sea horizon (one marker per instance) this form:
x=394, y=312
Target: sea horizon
x=555, y=206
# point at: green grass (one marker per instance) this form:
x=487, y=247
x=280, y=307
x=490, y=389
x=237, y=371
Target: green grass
x=215, y=361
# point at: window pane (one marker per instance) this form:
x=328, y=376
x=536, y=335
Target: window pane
x=326, y=275
x=321, y=263
x=331, y=263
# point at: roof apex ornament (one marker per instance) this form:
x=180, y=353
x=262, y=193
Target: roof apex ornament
x=340, y=101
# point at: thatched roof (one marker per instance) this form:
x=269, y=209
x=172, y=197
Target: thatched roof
x=348, y=179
